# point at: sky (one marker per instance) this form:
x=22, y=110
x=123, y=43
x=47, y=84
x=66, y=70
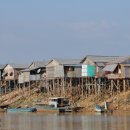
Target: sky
x=35, y=30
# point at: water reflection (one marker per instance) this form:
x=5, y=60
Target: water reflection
x=35, y=121
x=106, y=122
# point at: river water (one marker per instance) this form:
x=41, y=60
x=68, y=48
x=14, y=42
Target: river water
x=41, y=121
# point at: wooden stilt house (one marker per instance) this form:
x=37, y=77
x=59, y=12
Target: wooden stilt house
x=33, y=74
x=118, y=69
x=92, y=73
x=62, y=74
x=118, y=73
x=38, y=70
x=58, y=68
x=11, y=73
x=96, y=64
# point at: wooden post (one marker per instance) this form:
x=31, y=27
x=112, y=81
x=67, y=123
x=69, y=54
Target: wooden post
x=127, y=84
x=124, y=85
x=118, y=86
x=9, y=85
x=85, y=87
x=47, y=85
x=111, y=87
x=70, y=86
x=29, y=89
x=59, y=86
x=53, y=85
x=64, y=79
x=19, y=87
x=99, y=87
x=95, y=86
x=82, y=88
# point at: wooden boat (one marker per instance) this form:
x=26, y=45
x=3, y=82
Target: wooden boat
x=32, y=109
x=55, y=104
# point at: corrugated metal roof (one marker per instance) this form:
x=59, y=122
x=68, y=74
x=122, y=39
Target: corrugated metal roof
x=41, y=63
x=100, y=59
x=17, y=66
x=110, y=68
x=30, y=69
x=68, y=61
x=100, y=64
x=25, y=70
x=123, y=60
x=73, y=65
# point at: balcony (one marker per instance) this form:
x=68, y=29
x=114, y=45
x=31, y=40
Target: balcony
x=115, y=76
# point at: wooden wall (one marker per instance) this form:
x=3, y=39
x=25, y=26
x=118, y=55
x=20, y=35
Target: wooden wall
x=72, y=71
x=54, y=70
x=10, y=73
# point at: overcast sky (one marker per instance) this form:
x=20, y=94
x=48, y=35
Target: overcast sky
x=45, y=29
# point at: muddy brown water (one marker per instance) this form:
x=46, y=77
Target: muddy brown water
x=47, y=121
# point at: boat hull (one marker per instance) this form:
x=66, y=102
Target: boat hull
x=99, y=109
x=21, y=110
x=43, y=108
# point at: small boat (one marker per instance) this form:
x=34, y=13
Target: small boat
x=103, y=108
x=55, y=104
x=99, y=108
x=49, y=108
x=32, y=109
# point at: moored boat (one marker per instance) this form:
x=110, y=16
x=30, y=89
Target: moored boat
x=99, y=108
x=55, y=104
x=49, y=108
x=103, y=108
x=32, y=109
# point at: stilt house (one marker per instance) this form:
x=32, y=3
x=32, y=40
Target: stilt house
x=35, y=72
x=92, y=65
x=118, y=69
x=118, y=74
x=11, y=73
x=58, y=68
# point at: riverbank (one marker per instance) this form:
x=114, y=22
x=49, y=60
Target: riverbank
x=118, y=102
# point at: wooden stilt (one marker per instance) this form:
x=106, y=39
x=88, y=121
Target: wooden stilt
x=99, y=87
x=124, y=85
x=82, y=88
x=118, y=86
x=29, y=89
x=111, y=87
